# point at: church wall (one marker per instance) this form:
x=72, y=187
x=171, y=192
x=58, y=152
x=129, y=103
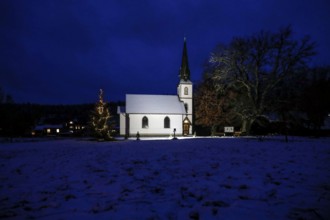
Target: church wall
x=156, y=124
x=122, y=123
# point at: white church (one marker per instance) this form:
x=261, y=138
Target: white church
x=160, y=115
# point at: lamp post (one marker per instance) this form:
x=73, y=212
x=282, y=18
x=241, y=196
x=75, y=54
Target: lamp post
x=174, y=130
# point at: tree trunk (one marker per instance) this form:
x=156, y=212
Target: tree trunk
x=246, y=126
x=213, y=130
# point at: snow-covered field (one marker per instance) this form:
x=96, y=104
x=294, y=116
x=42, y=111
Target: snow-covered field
x=198, y=178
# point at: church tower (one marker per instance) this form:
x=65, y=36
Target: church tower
x=185, y=91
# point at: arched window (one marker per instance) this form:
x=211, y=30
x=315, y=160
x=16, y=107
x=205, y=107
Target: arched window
x=167, y=122
x=186, y=90
x=145, y=122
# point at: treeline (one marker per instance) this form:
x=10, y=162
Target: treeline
x=21, y=119
x=263, y=84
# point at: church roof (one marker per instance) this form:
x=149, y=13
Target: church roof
x=154, y=104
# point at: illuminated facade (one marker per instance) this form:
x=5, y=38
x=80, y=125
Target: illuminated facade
x=155, y=115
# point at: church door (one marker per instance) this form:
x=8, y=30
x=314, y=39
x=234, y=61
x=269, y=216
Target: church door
x=186, y=126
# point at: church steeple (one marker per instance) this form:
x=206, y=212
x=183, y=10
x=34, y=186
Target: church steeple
x=184, y=68
x=185, y=91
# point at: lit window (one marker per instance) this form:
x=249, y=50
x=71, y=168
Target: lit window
x=145, y=122
x=57, y=130
x=167, y=122
x=186, y=90
x=48, y=130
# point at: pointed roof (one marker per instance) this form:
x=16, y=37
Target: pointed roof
x=184, y=68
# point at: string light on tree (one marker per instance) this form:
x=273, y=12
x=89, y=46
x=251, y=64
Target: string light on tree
x=100, y=117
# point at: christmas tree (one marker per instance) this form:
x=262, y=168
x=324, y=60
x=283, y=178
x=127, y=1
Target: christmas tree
x=100, y=124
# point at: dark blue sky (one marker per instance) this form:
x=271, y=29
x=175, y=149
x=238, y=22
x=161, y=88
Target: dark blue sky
x=63, y=51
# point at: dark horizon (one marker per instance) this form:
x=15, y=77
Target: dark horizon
x=63, y=52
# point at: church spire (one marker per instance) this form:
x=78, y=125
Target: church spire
x=184, y=68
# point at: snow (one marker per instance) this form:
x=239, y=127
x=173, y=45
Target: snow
x=197, y=178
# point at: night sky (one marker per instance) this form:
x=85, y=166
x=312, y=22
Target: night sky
x=64, y=51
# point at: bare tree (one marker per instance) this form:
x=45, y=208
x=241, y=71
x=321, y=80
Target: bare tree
x=212, y=108
x=315, y=97
x=256, y=65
